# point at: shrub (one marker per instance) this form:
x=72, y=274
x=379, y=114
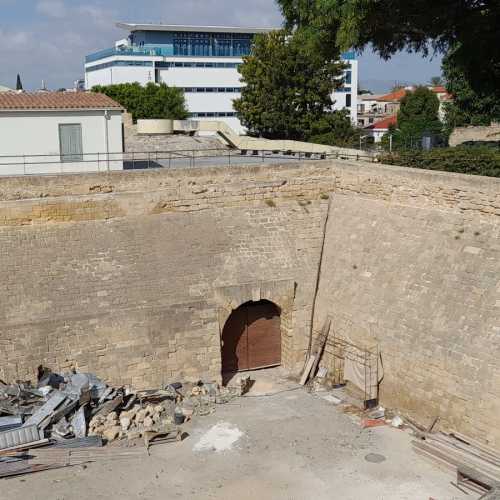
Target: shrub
x=462, y=159
x=150, y=102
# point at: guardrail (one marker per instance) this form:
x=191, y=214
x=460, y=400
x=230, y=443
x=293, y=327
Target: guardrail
x=102, y=162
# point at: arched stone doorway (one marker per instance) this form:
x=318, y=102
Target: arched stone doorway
x=251, y=338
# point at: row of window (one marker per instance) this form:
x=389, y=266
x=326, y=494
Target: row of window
x=193, y=90
x=119, y=63
x=212, y=44
x=213, y=115
x=196, y=64
x=162, y=64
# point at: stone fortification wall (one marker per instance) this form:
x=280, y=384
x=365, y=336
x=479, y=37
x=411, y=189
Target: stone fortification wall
x=133, y=274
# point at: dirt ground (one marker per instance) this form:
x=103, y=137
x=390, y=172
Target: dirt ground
x=289, y=445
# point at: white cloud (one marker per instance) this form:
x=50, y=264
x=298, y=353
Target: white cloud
x=52, y=8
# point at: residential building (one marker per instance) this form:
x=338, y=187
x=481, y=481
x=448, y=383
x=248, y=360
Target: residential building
x=378, y=129
x=373, y=108
x=369, y=109
x=54, y=132
x=202, y=60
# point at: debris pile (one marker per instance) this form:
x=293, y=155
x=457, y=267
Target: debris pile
x=477, y=467
x=78, y=410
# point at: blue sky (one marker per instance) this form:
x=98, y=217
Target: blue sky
x=48, y=39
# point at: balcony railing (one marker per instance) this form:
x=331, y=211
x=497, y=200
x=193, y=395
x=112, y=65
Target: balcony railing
x=128, y=51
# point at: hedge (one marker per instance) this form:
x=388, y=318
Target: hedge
x=462, y=159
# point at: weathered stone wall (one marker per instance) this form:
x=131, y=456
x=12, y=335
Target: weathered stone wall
x=412, y=264
x=130, y=274
x=474, y=134
x=133, y=274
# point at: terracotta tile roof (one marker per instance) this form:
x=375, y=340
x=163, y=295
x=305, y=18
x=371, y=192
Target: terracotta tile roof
x=438, y=89
x=395, y=96
x=55, y=100
x=384, y=124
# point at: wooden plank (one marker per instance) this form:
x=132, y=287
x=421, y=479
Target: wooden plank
x=465, y=455
x=476, y=476
x=460, y=445
x=307, y=369
x=454, y=460
x=321, y=347
x=477, y=444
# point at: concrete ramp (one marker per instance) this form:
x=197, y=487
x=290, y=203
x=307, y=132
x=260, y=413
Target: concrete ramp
x=245, y=143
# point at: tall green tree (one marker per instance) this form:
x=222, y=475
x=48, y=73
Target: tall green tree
x=417, y=115
x=19, y=85
x=152, y=101
x=469, y=106
x=471, y=26
x=289, y=86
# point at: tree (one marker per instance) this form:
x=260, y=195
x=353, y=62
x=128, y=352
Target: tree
x=436, y=81
x=150, y=102
x=19, y=85
x=417, y=115
x=335, y=129
x=288, y=86
x=420, y=25
x=468, y=107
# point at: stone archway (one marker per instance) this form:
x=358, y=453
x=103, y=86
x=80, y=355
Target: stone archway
x=280, y=293
x=251, y=338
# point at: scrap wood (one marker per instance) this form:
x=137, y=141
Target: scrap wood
x=457, y=461
x=465, y=473
x=476, y=444
x=322, y=339
x=463, y=447
x=307, y=370
x=315, y=357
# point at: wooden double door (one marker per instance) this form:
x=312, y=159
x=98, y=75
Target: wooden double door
x=251, y=338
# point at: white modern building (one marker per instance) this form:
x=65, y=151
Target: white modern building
x=59, y=132
x=202, y=60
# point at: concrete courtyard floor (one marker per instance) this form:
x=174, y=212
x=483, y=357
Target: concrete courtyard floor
x=293, y=446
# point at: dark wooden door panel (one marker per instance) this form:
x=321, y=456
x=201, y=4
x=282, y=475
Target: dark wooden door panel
x=264, y=335
x=235, y=342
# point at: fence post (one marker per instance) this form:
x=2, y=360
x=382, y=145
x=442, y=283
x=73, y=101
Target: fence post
x=229, y=157
x=24, y=164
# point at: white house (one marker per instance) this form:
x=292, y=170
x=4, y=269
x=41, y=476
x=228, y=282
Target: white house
x=202, y=60
x=378, y=129
x=59, y=132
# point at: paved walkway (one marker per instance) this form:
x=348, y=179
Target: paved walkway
x=277, y=443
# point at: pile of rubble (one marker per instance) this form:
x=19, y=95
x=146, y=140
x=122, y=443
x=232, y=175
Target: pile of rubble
x=78, y=410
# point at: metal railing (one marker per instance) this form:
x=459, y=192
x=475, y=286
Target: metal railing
x=102, y=162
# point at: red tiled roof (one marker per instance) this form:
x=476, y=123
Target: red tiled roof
x=395, y=96
x=55, y=100
x=438, y=89
x=384, y=124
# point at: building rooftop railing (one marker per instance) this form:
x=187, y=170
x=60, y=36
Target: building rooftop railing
x=126, y=51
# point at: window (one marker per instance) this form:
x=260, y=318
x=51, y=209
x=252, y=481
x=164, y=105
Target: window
x=70, y=142
x=348, y=100
x=348, y=77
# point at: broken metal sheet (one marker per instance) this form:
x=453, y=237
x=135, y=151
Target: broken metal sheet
x=79, y=423
x=8, y=423
x=79, y=382
x=108, y=407
x=57, y=399
x=86, y=442
x=61, y=428
x=21, y=436
x=63, y=410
